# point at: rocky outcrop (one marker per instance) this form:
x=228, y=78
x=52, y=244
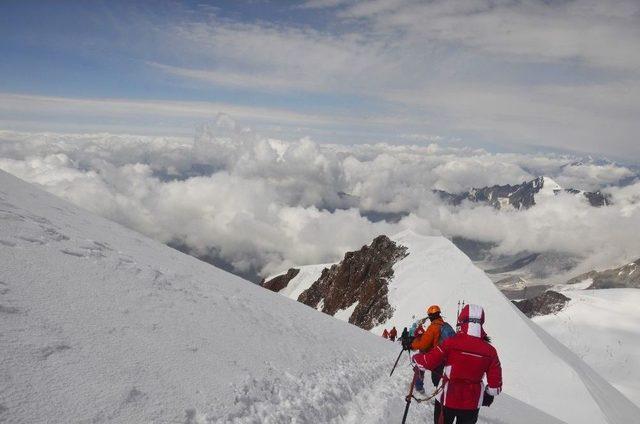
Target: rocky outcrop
x=595, y=198
x=549, y=302
x=516, y=288
x=281, y=281
x=519, y=196
x=361, y=277
x=627, y=276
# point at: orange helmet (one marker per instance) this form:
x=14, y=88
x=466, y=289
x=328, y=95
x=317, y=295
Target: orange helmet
x=433, y=309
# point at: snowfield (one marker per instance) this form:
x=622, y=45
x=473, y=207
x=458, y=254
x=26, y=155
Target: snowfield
x=601, y=326
x=101, y=324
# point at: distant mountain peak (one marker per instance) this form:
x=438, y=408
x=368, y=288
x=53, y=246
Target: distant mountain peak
x=520, y=196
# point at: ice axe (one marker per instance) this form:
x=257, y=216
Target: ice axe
x=410, y=395
x=396, y=364
x=404, y=347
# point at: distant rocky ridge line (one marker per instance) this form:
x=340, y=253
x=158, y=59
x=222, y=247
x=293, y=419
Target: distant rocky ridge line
x=361, y=278
x=626, y=276
x=520, y=196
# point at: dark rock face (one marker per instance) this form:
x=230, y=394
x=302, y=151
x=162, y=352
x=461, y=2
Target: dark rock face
x=362, y=276
x=281, y=281
x=520, y=196
x=549, y=302
x=595, y=198
x=627, y=276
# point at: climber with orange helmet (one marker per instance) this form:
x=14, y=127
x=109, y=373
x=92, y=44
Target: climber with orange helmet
x=430, y=339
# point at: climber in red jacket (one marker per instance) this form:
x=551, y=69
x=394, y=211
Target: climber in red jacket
x=467, y=357
x=393, y=334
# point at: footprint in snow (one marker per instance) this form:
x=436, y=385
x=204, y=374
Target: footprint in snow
x=31, y=240
x=45, y=352
x=53, y=235
x=7, y=243
x=73, y=253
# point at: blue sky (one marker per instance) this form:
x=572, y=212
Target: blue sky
x=502, y=75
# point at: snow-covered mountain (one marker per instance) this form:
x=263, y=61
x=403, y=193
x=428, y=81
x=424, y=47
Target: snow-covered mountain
x=539, y=369
x=520, y=196
x=104, y=325
x=101, y=324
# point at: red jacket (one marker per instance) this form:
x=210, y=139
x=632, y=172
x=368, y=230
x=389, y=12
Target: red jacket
x=393, y=333
x=385, y=334
x=467, y=358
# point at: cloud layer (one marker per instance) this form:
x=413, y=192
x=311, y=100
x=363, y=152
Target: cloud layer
x=264, y=204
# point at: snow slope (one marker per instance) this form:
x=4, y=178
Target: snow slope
x=549, y=187
x=100, y=324
x=537, y=370
x=601, y=326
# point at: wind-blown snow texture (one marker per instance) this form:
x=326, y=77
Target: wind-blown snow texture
x=537, y=369
x=100, y=324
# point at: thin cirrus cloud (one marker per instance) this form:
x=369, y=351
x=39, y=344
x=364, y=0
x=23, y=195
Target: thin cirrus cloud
x=533, y=73
x=508, y=74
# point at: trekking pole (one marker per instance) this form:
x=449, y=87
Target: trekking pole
x=394, y=365
x=410, y=395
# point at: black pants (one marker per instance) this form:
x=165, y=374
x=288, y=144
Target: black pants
x=462, y=416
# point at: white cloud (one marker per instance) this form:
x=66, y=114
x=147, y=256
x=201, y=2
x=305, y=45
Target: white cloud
x=264, y=204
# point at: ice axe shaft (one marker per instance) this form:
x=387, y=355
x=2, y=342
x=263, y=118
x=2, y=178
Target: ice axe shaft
x=410, y=395
x=396, y=364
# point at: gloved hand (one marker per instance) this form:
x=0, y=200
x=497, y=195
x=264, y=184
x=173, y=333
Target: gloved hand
x=406, y=343
x=487, y=400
